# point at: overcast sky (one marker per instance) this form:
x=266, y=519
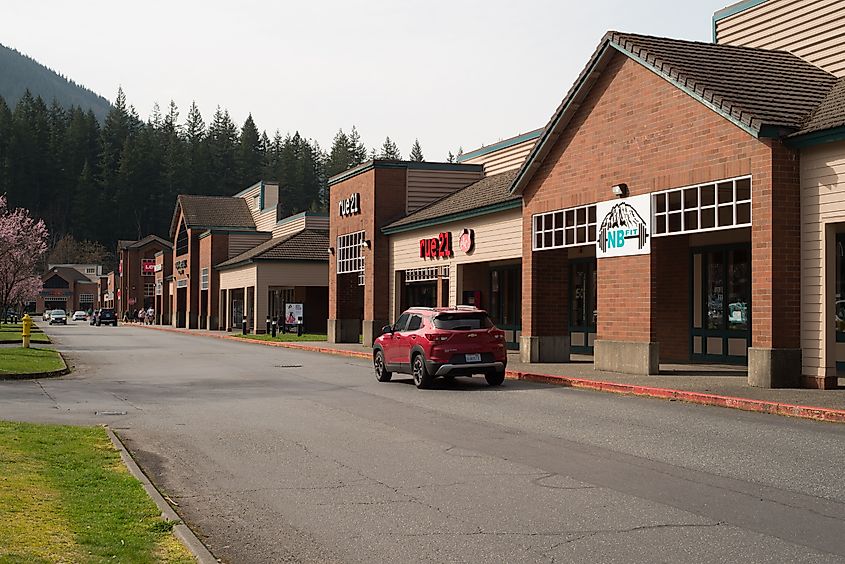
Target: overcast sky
x=451, y=73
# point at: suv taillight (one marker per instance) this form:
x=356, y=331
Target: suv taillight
x=436, y=337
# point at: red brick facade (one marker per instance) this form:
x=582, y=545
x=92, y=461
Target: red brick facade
x=636, y=128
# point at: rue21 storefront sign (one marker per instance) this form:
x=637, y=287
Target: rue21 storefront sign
x=441, y=246
x=624, y=227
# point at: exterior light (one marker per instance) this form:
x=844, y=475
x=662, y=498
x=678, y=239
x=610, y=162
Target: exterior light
x=366, y=244
x=330, y=250
x=620, y=190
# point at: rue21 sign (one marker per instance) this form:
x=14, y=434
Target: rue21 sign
x=624, y=227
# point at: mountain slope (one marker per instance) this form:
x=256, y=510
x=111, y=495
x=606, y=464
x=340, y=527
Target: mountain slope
x=19, y=72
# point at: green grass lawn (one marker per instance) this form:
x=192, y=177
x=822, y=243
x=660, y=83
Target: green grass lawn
x=18, y=360
x=65, y=496
x=12, y=332
x=284, y=337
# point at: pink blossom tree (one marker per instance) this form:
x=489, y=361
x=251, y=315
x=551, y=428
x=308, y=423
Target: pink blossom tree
x=23, y=240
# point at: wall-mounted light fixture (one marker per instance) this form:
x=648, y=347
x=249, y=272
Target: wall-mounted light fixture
x=620, y=190
x=366, y=244
x=330, y=250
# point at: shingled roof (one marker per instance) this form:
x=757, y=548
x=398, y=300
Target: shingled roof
x=305, y=245
x=123, y=244
x=489, y=193
x=830, y=113
x=212, y=211
x=765, y=92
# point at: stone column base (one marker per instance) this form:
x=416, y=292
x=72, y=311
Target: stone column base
x=627, y=357
x=343, y=330
x=774, y=368
x=372, y=331
x=544, y=349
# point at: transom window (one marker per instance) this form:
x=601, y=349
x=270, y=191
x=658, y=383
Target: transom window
x=426, y=274
x=349, y=257
x=86, y=298
x=706, y=207
x=204, y=279
x=149, y=289
x=565, y=228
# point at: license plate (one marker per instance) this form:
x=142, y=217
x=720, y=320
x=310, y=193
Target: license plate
x=473, y=358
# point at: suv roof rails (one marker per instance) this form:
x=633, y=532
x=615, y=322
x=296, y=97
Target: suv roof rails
x=465, y=306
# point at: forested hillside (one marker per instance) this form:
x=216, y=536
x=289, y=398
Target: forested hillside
x=119, y=179
x=19, y=73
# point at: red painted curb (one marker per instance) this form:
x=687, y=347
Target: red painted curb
x=744, y=404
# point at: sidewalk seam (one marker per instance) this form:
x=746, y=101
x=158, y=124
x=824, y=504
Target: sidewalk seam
x=180, y=529
x=825, y=414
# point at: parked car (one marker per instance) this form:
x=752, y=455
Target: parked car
x=79, y=316
x=106, y=317
x=58, y=316
x=441, y=342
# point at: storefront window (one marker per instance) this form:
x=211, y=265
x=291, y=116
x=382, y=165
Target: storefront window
x=839, y=309
x=715, y=290
x=739, y=289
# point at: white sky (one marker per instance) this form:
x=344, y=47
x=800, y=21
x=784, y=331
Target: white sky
x=452, y=73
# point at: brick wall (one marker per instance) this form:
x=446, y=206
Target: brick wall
x=545, y=292
x=636, y=128
x=670, y=299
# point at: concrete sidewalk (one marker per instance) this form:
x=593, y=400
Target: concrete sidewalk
x=719, y=385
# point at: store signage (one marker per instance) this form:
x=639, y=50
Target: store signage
x=624, y=227
x=181, y=265
x=467, y=240
x=158, y=268
x=148, y=267
x=293, y=314
x=437, y=247
x=351, y=205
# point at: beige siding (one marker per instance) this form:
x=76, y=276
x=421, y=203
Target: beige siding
x=822, y=214
x=242, y=242
x=503, y=160
x=811, y=29
x=299, y=223
x=238, y=277
x=426, y=186
x=293, y=274
x=498, y=237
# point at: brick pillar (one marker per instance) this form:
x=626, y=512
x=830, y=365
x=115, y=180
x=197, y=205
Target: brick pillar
x=774, y=359
x=626, y=336
x=545, y=306
x=671, y=298
x=344, y=324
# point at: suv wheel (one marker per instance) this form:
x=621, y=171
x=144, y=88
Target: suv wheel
x=382, y=375
x=422, y=378
x=495, y=378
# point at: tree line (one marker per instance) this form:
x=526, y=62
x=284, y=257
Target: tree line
x=101, y=182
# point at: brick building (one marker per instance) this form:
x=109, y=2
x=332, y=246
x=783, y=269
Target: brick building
x=136, y=274
x=71, y=287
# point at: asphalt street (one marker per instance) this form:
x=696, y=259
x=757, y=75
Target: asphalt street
x=276, y=455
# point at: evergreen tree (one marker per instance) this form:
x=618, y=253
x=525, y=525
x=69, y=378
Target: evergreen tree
x=390, y=151
x=356, y=148
x=450, y=158
x=222, y=145
x=250, y=155
x=340, y=157
x=5, y=140
x=196, y=155
x=416, y=152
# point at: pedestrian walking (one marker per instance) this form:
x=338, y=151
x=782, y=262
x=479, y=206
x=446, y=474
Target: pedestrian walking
x=151, y=315
x=141, y=315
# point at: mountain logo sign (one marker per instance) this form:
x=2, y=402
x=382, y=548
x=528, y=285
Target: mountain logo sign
x=623, y=230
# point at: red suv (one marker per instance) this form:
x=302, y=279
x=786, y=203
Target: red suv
x=433, y=342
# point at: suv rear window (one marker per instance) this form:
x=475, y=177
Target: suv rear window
x=462, y=321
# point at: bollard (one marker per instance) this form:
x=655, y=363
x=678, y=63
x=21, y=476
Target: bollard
x=273, y=328
x=243, y=326
x=26, y=330
x=268, y=325
x=299, y=329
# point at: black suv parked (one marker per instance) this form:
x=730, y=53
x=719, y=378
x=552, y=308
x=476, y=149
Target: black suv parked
x=105, y=317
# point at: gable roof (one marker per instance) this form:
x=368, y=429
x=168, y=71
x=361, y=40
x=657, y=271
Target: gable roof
x=212, y=211
x=305, y=245
x=69, y=274
x=142, y=242
x=764, y=92
x=830, y=113
x=489, y=194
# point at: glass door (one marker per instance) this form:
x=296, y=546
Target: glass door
x=839, y=307
x=506, y=302
x=721, y=304
x=583, y=314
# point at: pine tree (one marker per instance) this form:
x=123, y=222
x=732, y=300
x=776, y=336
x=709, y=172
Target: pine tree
x=250, y=156
x=340, y=156
x=196, y=155
x=416, y=152
x=357, y=149
x=222, y=144
x=390, y=151
x=450, y=158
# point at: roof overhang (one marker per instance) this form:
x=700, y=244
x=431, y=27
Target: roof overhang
x=425, y=223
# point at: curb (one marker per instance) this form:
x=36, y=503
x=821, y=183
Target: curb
x=39, y=375
x=825, y=414
x=180, y=529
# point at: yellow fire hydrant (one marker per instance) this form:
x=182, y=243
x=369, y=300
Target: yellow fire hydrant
x=26, y=331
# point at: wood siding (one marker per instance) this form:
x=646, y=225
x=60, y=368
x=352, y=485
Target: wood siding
x=822, y=214
x=242, y=242
x=299, y=223
x=498, y=237
x=426, y=186
x=811, y=29
x=503, y=160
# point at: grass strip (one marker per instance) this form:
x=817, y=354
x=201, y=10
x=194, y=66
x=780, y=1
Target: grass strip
x=77, y=500
x=284, y=337
x=18, y=360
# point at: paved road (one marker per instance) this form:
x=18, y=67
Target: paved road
x=276, y=455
